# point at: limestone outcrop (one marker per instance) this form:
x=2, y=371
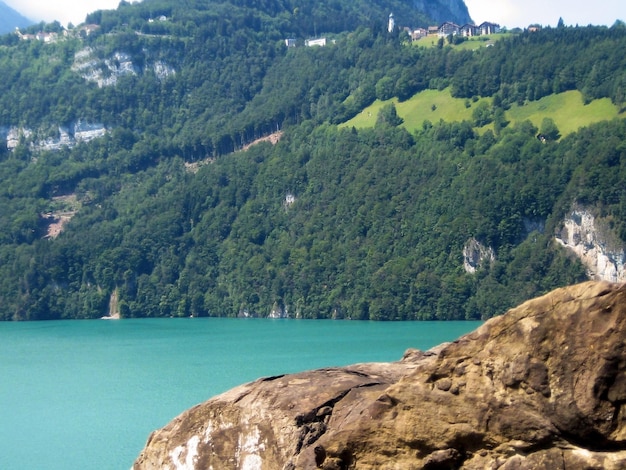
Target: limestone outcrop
x=604, y=257
x=476, y=255
x=541, y=387
x=107, y=72
x=67, y=137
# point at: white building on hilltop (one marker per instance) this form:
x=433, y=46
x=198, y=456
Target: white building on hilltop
x=392, y=23
x=315, y=42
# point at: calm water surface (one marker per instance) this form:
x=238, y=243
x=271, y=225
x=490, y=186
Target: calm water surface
x=86, y=394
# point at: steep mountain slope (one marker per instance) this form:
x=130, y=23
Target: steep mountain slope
x=11, y=19
x=450, y=10
x=123, y=190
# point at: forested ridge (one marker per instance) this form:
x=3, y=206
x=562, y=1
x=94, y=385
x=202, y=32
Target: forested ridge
x=171, y=218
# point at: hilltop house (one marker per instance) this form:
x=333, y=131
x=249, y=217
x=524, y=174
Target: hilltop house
x=418, y=33
x=40, y=36
x=315, y=42
x=448, y=28
x=467, y=30
x=489, y=28
x=46, y=37
x=24, y=37
x=161, y=18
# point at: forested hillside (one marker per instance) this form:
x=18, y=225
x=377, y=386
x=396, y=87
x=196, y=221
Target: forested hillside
x=169, y=217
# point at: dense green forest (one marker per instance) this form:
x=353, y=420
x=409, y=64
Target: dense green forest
x=171, y=217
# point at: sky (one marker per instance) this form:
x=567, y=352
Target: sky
x=509, y=13
x=521, y=13
x=64, y=11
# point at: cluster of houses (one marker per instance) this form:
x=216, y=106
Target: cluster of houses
x=448, y=28
x=50, y=37
x=81, y=31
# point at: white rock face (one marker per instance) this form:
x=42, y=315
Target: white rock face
x=278, y=312
x=15, y=134
x=67, y=137
x=582, y=235
x=290, y=200
x=475, y=254
x=162, y=70
x=107, y=72
x=84, y=131
x=78, y=132
x=52, y=143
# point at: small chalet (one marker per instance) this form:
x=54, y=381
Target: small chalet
x=46, y=37
x=315, y=42
x=418, y=33
x=449, y=28
x=489, y=28
x=469, y=30
x=24, y=37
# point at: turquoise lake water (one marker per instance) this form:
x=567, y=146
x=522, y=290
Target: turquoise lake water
x=86, y=394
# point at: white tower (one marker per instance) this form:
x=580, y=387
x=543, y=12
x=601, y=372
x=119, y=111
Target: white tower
x=392, y=23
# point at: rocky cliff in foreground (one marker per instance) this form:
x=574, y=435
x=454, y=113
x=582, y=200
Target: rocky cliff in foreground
x=543, y=386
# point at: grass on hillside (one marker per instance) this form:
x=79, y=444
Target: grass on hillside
x=566, y=109
x=429, y=105
x=471, y=44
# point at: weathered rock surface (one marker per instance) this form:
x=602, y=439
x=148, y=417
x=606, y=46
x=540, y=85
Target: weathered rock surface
x=107, y=72
x=475, y=255
x=541, y=387
x=600, y=251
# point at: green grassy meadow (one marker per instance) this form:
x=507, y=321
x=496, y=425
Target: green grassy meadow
x=566, y=109
x=471, y=44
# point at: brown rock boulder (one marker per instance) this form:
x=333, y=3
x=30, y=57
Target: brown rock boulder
x=541, y=387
